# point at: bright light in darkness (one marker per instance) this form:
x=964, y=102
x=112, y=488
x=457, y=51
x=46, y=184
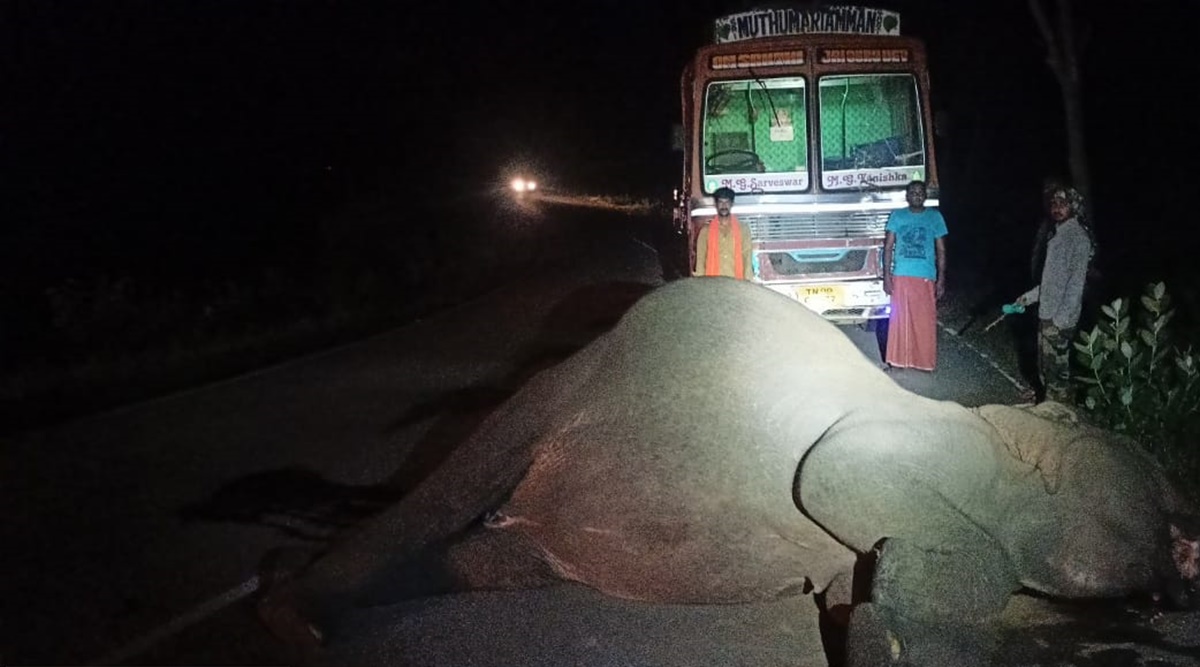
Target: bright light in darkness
x=521, y=184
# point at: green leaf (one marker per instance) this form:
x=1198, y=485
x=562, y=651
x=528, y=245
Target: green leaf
x=1126, y=349
x=1147, y=337
x=1126, y=395
x=1111, y=311
x=1160, y=288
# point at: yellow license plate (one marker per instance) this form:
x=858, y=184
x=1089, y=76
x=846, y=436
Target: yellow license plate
x=819, y=295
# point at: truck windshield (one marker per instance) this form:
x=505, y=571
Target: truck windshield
x=755, y=135
x=871, y=133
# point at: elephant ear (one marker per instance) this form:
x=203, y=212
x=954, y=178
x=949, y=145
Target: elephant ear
x=1037, y=436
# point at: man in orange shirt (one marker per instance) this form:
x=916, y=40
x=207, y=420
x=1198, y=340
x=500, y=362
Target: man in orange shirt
x=723, y=245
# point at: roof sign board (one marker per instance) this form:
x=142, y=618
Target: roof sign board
x=855, y=56
x=765, y=59
x=778, y=22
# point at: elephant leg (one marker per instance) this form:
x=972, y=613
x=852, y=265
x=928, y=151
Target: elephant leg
x=931, y=606
x=381, y=560
x=481, y=558
x=494, y=559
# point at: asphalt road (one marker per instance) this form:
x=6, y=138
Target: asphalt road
x=133, y=537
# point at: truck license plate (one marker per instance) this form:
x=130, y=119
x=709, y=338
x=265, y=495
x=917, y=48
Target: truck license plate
x=819, y=296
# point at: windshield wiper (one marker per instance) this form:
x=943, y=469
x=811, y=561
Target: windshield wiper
x=767, y=91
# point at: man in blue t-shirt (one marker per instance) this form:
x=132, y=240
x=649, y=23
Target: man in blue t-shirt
x=914, y=275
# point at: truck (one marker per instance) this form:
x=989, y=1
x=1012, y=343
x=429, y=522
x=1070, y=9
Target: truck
x=818, y=119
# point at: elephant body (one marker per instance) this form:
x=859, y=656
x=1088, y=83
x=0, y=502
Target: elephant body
x=723, y=444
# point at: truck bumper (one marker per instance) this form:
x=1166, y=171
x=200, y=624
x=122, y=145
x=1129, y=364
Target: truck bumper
x=841, y=302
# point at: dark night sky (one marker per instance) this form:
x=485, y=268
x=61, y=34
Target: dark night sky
x=168, y=125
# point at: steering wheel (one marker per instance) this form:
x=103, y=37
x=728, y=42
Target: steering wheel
x=733, y=161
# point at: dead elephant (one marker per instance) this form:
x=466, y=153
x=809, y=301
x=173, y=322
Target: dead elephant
x=722, y=444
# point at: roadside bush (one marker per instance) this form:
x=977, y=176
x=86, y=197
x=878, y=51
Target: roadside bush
x=1136, y=380
x=101, y=315
x=110, y=318
x=113, y=340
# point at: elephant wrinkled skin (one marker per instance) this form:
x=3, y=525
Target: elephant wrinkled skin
x=723, y=444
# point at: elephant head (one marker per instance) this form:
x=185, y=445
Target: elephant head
x=1090, y=513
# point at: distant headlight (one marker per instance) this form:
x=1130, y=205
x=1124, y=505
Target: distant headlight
x=523, y=185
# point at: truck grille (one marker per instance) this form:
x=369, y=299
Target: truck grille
x=817, y=261
x=816, y=225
